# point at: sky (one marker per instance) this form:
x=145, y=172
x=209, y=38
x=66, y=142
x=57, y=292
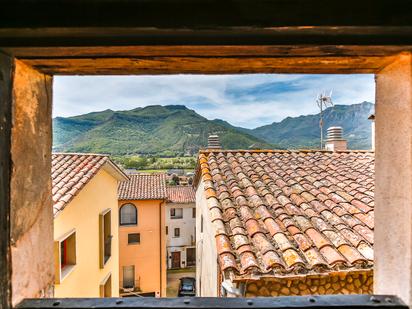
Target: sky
x=247, y=100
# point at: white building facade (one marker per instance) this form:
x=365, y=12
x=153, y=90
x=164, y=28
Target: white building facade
x=181, y=227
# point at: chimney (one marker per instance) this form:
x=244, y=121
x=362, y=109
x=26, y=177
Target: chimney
x=213, y=142
x=335, y=141
x=372, y=119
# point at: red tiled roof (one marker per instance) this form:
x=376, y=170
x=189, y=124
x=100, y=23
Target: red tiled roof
x=282, y=213
x=143, y=187
x=70, y=173
x=181, y=194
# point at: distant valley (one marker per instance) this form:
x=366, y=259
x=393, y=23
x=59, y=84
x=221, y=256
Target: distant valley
x=175, y=130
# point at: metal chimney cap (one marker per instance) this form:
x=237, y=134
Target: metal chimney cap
x=335, y=128
x=213, y=142
x=335, y=133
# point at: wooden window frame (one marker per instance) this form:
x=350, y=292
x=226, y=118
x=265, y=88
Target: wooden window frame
x=63, y=271
x=266, y=38
x=102, y=238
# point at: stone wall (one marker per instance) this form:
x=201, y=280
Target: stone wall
x=31, y=215
x=335, y=283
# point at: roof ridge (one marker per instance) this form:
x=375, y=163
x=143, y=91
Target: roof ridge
x=81, y=154
x=285, y=150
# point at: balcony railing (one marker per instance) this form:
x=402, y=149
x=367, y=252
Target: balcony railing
x=295, y=302
x=130, y=285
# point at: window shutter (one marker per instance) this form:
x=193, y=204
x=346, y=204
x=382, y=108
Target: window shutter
x=101, y=240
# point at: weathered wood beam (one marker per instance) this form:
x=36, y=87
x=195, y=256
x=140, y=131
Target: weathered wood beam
x=151, y=34
x=6, y=81
x=208, y=65
x=205, y=51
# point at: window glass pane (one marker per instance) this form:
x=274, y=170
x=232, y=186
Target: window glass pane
x=133, y=238
x=177, y=232
x=193, y=212
x=63, y=253
x=107, y=236
x=176, y=213
x=128, y=214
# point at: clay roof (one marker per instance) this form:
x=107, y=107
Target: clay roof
x=143, y=187
x=72, y=171
x=284, y=213
x=181, y=194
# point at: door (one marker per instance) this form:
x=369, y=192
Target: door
x=128, y=277
x=190, y=256
x=176, y=259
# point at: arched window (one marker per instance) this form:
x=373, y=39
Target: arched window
x=128, y=215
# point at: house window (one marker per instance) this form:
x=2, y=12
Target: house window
x=193, y=212
x=133, y=238
x=65, y=255
x=167, y=230
x=177, y=232
x=105, y=224
x=128, y=215
x=201, y=224
x=191, y=256
x=128, y=277
x=106, y=286
x=176, y=213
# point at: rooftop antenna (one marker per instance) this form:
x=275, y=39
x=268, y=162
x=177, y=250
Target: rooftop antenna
x=323, y=101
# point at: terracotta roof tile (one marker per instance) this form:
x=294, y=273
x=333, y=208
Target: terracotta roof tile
x=143, y=187
x=70, y=173
x=181, y=194
x=286, y=212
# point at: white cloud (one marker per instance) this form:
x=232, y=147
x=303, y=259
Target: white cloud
x=239, y=99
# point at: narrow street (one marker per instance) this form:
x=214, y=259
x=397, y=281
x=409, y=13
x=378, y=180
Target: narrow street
x=173, y=277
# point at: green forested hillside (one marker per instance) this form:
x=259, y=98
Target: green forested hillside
x=161, y=130
x=175, y=130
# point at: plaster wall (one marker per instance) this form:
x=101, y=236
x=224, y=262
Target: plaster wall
x=187, y=226
x=31, y=205
x=393, y=186
x=206, y=255
x=148, y=257
x=82, y=214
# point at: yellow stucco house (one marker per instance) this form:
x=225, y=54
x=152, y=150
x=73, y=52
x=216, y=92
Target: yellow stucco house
x=85, y=225
x=142, y=235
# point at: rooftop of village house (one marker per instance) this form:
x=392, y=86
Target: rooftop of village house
x=143, y=187
x=72, y=171
x=181, y=194
x=282, y=213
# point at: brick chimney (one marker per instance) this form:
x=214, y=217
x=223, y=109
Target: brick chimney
x=213, y=142
x=372, y=119
x=335, y=140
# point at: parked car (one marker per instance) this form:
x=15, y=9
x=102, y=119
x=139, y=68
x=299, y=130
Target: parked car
x=187, y=287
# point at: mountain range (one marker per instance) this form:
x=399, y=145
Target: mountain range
x=175, y=130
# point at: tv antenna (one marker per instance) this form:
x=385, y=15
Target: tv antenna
x=323, y=101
